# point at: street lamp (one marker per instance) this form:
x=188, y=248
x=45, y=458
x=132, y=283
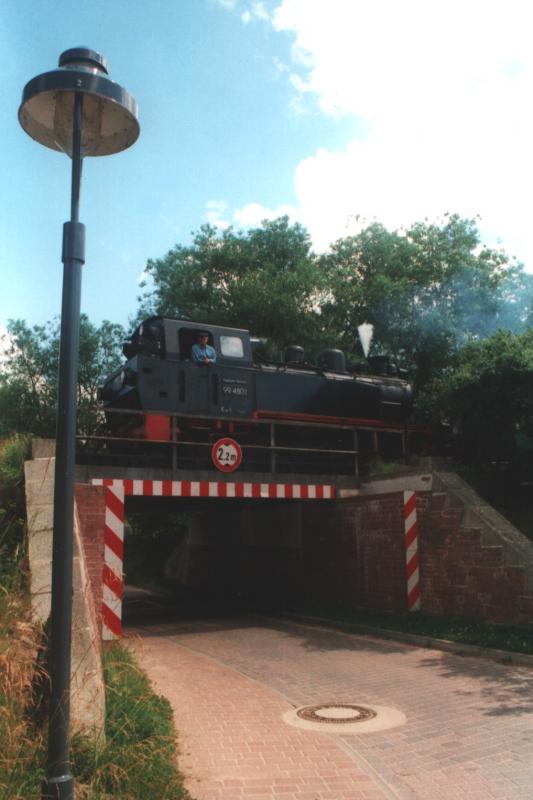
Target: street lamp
x=78, y=110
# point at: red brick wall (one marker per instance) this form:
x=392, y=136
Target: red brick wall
x=90, y=508
x=354, y=557
x=354, y=553
x=460, y=577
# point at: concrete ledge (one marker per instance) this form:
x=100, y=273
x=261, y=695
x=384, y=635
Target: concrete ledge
x=414, y=482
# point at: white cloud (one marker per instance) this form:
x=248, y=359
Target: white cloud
x=259, y=10
x=256, y=10
x=227, y=4
x=249, y=216
x=215, y=211
x=444, y=91
x=254, y=213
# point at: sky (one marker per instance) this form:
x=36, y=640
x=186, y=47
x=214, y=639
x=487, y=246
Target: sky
x=335, y=112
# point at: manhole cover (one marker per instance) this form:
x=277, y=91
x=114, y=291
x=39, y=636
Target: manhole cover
x=344, y=718
x=336, y=713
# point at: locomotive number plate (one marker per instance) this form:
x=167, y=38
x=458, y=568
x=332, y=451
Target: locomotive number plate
x=234, y=387
x=226, y=455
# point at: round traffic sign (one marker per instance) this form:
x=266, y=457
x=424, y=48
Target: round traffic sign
x=226, y=454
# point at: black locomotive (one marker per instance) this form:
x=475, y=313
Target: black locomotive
x=170, y=396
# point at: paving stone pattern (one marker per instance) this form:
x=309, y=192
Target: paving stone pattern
x=469, y=731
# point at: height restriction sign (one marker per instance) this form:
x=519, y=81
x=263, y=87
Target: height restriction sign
x=226, y=454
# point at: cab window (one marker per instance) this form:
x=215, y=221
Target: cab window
x=231, y=346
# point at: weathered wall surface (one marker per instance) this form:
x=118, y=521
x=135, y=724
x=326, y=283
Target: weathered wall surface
x=87, y=685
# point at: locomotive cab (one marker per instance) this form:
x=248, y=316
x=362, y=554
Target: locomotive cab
x=172, y=340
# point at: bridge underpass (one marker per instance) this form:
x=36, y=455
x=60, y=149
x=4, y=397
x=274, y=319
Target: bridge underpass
x=213, y=554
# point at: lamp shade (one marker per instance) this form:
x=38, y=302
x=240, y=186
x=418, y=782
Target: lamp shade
x=110, y=115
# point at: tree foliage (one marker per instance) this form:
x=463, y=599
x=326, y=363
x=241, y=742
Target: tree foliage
x=266, y=279
x=428, y=290
x=28, y=380
x=487, y=396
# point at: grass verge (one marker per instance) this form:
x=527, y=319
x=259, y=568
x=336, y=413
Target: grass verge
x=138, y=759
x=481, y=634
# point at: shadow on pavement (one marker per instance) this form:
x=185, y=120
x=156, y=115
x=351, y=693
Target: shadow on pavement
x=508, y=689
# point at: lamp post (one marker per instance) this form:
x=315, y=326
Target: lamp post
x=78, y=110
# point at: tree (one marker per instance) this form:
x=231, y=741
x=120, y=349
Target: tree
x=266, y=280
x=487, y=396
x=28, y=381
x=428, y=290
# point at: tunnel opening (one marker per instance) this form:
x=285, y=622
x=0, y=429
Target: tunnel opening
x=214, y=556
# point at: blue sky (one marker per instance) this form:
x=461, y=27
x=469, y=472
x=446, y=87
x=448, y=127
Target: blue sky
x=323, y=109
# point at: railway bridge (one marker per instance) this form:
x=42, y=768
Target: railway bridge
x=419, y=541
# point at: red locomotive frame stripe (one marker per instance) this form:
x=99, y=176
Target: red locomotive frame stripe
x=296, y=416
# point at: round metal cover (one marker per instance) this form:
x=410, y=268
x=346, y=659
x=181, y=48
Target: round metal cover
x=344, y=718
x=336, y=713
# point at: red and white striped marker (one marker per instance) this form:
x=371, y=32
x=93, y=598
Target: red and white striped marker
x=113, y=561
x=411, y=551
x=117, y=489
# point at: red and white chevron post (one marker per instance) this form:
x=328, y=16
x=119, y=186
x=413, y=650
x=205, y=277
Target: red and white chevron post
x=113, y=561
x=411, y=551
x=117, y=489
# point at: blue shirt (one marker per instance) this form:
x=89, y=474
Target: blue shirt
x=201, y=352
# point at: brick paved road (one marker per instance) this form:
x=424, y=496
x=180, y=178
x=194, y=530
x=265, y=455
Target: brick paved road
x=469, y=731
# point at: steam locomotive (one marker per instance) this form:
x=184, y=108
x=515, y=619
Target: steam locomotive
x=161, y=386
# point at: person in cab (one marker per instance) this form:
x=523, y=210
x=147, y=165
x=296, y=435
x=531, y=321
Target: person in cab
x=202, y=352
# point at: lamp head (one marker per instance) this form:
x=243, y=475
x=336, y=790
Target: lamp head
x=110, y=115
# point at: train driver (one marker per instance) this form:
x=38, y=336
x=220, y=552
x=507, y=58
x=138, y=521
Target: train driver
x=203, y=353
